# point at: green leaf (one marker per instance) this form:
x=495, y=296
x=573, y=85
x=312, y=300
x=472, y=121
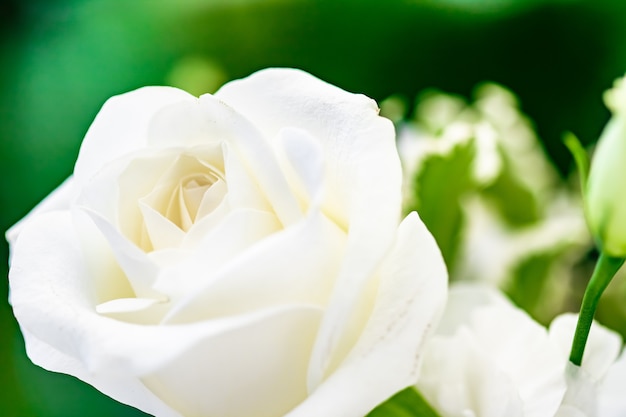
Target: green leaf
x=514, y=201
x=438, y=188
x=527, y=287
x=581, y=157
x=407, y=403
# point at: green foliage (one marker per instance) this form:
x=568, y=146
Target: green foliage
x=516, y=203
x=406, y=403
x=528, y=284
x=581, y=157
x=439, y=187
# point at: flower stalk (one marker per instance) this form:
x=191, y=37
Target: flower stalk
x=606, y=268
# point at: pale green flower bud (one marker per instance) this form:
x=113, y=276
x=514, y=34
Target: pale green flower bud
x=606, y=186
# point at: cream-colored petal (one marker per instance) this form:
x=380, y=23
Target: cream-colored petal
x=304, y=166
x=52, y=296
x=134, y=310
x=59, y=199
x=297, y=265
x=127, y=389
x=161, y=231
x=248, y=144
x=138, y=180
x=363, y=186
x=358, y=145
x=243, y=190
x=253, y=371
x=211, y=197
x=241, y=229
x=386, y=358
x=140, y=271
x=185, y=124
x=121, y=127
x=205, y=225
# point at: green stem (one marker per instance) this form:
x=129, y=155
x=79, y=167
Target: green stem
x=605, y=270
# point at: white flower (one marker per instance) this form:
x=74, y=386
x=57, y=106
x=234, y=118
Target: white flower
x=491, y=359
x=503, y=138
x=491, y=250
x=234, y=255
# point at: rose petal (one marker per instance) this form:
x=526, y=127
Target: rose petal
x=186, y=124
x=186, y=281
x=53, y=288
x=210, y=199
x=123, y=388
x=134, y=310
x=257, y=370
x=386, y=358
x=304, y=168
x=243, y=190
x=121, y=127
x=59, y=199
x=140, y=271
x=208, y=223
x=297, y=265
x=358, y=145
x=160, y=230
x=249, y=145
x=145, y=174
x=362, y=161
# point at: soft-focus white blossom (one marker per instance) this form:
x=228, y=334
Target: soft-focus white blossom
x=491, y=359
x=511, y=207
x=491, y=249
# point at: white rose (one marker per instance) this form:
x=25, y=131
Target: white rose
x=491, y=359
x=231, y=255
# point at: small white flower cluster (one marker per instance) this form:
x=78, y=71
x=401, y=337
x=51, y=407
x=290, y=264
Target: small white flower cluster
x=513, y=210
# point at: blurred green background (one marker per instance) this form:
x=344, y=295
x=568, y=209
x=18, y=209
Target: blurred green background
x=61, y=59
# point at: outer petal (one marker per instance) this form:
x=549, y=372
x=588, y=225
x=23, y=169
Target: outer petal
x=412, y=292
x=59, y=199
x=121, y=127
x=54, y=302
x=125, y=389
x=364, y=179
x=358, y=145
x=253, y=148
x=296, y=265
x=252, y=371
